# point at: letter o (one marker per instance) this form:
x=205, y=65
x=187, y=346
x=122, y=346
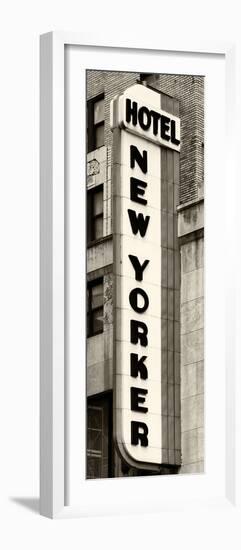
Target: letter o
x=133, y=299
x=144, y=111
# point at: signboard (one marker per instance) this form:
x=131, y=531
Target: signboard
x=140, y=128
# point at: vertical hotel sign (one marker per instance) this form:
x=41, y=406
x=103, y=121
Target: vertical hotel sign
x=139, y=128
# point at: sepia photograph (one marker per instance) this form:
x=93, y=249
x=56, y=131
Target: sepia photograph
x=145, y=386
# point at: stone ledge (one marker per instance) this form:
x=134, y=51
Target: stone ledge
x=100, y=254
x=190, y=218
x=100, y=241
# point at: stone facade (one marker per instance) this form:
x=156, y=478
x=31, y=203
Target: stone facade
x=191, y=237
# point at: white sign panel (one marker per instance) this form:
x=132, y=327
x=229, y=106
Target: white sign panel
x=146, y=119
x=139, y=128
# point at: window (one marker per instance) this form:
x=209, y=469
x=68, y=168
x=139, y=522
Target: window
x=144, y=76
x=94, y=442
x=99, y=437
x=95, y=123
x=95, y=307
x=95, y=213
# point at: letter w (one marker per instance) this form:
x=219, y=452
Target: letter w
x=138, y=222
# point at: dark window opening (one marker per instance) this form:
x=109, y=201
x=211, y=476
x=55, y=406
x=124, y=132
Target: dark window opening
x=95, y=213
x=95, y=310
x=99, y=437
x=95, y=123
x=144, y=76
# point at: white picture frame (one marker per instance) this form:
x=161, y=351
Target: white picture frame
x=60, y=494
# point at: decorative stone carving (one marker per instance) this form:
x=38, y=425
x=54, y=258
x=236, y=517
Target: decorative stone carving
x=93, y=167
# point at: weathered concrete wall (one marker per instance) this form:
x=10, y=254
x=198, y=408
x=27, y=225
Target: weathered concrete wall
x=100, y=348
x=190, y=231
x=98, y=173
x=99, y=264
x=99, y=256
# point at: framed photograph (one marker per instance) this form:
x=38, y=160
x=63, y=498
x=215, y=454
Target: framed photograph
x=137, y=329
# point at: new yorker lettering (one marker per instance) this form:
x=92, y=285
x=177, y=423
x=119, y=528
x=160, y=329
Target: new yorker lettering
x=139, y=302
